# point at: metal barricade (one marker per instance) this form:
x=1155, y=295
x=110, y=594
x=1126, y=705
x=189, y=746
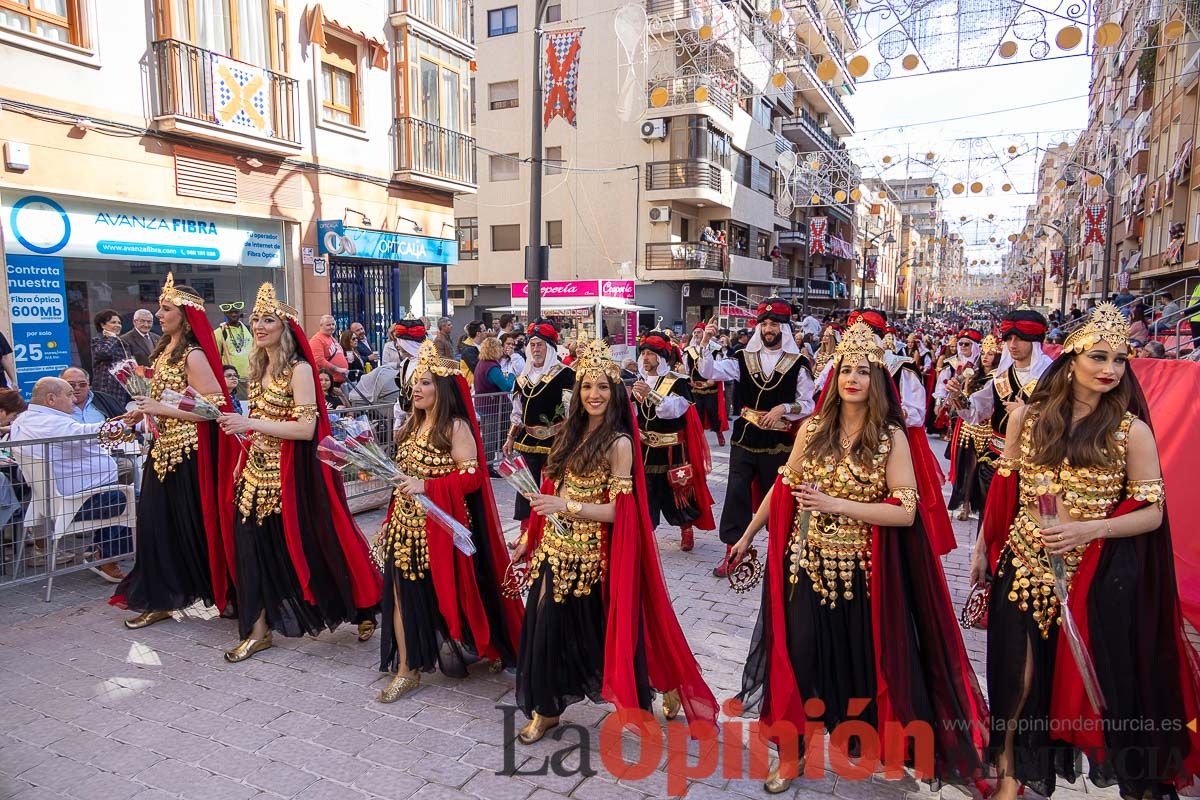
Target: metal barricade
x=64, y=507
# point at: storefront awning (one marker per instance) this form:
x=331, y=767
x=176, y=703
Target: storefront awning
x=609, y=303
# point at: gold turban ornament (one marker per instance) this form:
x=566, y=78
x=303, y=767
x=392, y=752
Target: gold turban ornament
x=1107, y=324
x=857, y=343
x=429, y=361
x=267, y=303
x=180, y=295
x=593, y=359
x=990, y=344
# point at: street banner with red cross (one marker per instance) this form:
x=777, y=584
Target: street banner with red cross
x=816, y=235
x=561, y=75
x=872, y=265
x=1057, y=259
x=1093, y=225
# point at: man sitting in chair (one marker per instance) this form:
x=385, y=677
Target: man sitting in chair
x=77, y=466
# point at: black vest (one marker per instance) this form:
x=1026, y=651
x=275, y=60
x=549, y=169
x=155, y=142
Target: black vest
x=1006, y=387
x=761, y=393
x=404, y=384
x=694, y=356
x=666, y=385
x=542, y=405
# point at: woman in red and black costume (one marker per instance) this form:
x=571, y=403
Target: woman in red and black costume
x=1084, y=439
x=675, y=455
x=181, y=556
x=911, y=391
x=709, y=396
x=441, y=607
x=855, y=605
x=599, y=622
x=301, y=564
x=540, y=400
x=969, y=441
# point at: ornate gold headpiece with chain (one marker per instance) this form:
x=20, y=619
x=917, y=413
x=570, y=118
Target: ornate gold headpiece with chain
x=857, y=343
x=267, y=303
x=1107, y=324
x=593, y=359
x=180, y=295
x=428, y=360
x=990, y=344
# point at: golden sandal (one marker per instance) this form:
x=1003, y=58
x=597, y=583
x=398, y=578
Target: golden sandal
x=248, y=647
x=146, y=619
x=400, y=685
x=536, y=728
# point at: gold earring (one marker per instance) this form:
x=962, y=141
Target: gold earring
x=1070, y=376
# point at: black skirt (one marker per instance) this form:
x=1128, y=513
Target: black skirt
x=1039, y=757
x=965, y=488
x=561, y=660
x=427, y=642
x=172, y=568
x=267, y=582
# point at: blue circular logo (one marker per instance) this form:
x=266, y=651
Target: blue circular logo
x=40, y=225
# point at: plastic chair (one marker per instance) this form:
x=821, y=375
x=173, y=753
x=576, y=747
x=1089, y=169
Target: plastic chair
x=47, y=504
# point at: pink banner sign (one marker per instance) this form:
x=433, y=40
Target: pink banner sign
x=577, y=290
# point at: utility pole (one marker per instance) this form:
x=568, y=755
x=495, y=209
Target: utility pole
x=1110, y=182
x=807, y=263
x=533, y=253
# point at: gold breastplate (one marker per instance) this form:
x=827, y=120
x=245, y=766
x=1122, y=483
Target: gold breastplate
x=577, y=556
x=259, y=484
x=176, y=439
x=404, y=531
x=836, y=544
x=1087, y=492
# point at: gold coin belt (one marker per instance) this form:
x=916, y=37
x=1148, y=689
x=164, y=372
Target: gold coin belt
x=576, y=558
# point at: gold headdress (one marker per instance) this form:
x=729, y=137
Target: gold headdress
x=429, y=361
x=594, y=359
x=180, y=295
x=267, y=303
x=990, y=344
x=860, y=342
x=1106, y=324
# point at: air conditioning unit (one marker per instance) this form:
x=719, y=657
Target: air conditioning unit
x=654, y=129
x=660, y=214
x=458, y=295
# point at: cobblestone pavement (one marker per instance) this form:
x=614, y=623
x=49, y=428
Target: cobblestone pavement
x=91, y=710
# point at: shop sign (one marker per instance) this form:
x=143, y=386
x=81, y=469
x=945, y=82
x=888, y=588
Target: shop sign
x=37, y=295
x=336, y=239
x=66, y=227
x=577, y=290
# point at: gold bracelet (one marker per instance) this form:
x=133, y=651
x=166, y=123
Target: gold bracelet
x=574, y=508
x=907, y=495
x=1108, y=529
x=306, y=413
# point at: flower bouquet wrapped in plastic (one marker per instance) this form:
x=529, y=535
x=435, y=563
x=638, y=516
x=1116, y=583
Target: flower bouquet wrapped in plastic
x=1048, y=511
x=191, y=401
x=516, y=473
x=361, y=453
x=133, y=377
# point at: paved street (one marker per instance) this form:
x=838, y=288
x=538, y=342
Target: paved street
x=94, y=711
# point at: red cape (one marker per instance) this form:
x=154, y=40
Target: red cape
x=699, y=456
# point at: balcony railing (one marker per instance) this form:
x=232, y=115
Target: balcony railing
x=435, y=151
x=781, y=268
x=682, y=91
x=814, y=131
x=668, y=8
x=687, y=255
x=184, y=75
x=837, y=99
x=451, y=16
x=689, y=174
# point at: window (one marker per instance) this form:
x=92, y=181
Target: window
x=502, y=21
x=468, y=238
x=339, y=81
x=503, y=167
x=502, y=95
x=506, y=238
x=554, y=13
x=437, y=88
x=55, y=20
x=253, y=31
x=554, y=160
x=554, y=232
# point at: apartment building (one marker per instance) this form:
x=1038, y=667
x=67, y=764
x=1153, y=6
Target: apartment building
x=879, y=226
x=639, y=198
x=921, y=231
x=315, y=146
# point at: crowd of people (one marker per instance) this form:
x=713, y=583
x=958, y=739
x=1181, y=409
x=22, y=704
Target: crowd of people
x=830, y=450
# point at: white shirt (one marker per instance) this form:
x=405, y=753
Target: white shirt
x=512, y=365
x=77, y=466
x=673, y=406
x=727, y=369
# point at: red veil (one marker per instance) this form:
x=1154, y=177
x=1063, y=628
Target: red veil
x=1146, y=666
x=639, y=607
x=365, y=582
x=453, y=573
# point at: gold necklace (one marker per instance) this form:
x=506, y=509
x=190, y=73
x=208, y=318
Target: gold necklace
x=848, y=439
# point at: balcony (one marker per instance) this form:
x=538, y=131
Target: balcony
x=682, y=92
x=434, y=156
x=185, y=101
x=699, y=257
x=781, y=269
x=803, y=126
x=451, y=17
x=793, y=238
x=692, y=180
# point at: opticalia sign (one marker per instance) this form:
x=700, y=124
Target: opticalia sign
x=68, y=227
x=337, y=240
x=578, y=290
